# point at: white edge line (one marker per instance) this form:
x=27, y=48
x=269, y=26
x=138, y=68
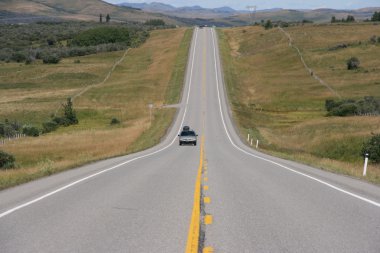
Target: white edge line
x=270, y=161
x=120, y=164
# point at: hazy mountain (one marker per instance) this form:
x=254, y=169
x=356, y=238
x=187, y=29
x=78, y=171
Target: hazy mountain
x=184, y=12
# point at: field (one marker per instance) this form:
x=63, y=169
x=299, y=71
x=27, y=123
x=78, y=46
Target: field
x=280, y=103
x=31, y=93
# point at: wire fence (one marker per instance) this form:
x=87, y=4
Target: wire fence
x=4, y=140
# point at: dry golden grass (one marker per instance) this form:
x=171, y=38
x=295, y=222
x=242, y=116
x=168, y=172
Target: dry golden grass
x=277, y=101
x=140, y=79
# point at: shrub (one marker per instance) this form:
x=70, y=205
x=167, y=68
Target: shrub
x=7, y=161
x=18, y=57
x=51, y=59
x=372, y=147
x=373, y=39
x=31, y=131
x=61, y=121
x=49, y=126
x=353, y=63
x=348, y=107
x=102, y=35
x=114, y=121
x=155, y=22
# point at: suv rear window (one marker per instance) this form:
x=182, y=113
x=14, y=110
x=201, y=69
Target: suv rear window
x=187, y=133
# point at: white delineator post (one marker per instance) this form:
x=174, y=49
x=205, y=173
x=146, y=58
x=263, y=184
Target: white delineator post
x=257, y=144
x=365, y=164
x=248, y=138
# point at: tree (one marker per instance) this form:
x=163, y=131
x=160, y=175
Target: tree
x=100, y=18
x=268, y=25
x=333, y=19
x=69, y=112
x=108, y=18
x=376, y=16
x=350, y=18
x=353, y=63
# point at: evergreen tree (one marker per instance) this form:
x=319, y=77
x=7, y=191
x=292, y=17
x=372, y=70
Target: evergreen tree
x=350, y=18
x=268, y=25
x=69, y=112
x=333, y=19
x=376, y=16
x=108, y=18
x=100, y=18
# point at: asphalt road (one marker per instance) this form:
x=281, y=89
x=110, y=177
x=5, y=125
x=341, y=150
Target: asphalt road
x=143, y=202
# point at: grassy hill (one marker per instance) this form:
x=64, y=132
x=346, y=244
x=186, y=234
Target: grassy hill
x=105, y=86
x=317, y=15
x=86, y=10
x=280, y=103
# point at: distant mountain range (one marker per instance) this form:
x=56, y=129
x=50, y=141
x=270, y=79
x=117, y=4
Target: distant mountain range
x=229, y=16
x=184, y=12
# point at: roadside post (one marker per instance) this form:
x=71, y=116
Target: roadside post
x=248, y=138
x=257, y=144
x=365, y=164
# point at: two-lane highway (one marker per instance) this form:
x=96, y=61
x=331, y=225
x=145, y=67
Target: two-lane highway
x=143, y=202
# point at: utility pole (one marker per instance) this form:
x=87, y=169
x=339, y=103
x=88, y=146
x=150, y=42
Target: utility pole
x=252, y=12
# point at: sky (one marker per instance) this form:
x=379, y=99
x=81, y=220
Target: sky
x=265, y=4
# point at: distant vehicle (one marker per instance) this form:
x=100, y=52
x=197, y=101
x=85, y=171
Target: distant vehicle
x=187, y=136
x=201, y=26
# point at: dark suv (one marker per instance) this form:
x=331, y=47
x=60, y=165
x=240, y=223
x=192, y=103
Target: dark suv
x=187, y=136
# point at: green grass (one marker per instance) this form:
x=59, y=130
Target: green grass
x=276, y=101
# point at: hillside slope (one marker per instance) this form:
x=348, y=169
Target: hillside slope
x=87, y=10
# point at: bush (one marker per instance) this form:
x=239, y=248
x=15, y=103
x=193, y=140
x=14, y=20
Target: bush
x=51, y=59
x=155, y=22
x=372, y=147
x=114, y=121
x=102, y=35
x=18, y=57
x=349, y=107
x=49, y=126
x=7, y=161
x=31, y=131
x=353, y=63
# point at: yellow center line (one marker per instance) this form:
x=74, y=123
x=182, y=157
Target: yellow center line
x=193, y=235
